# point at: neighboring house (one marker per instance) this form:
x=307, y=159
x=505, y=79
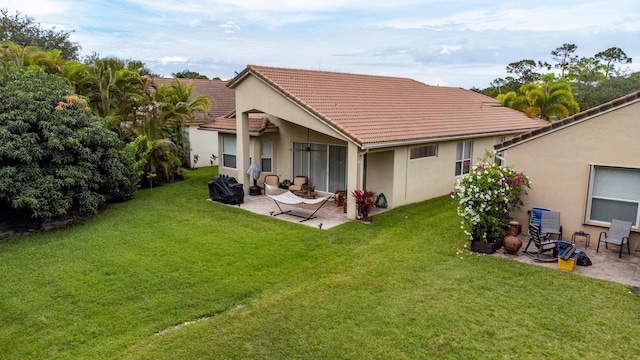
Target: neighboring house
x=586, y=166
x=395, y=136
x=203, y=141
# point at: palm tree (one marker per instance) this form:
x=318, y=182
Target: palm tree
x=50, y=61
x=31, y=57
x=179, y=110
x=114, y=92
x=548, y=99
x=21, y=56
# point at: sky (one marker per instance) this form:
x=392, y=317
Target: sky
x=446, y=43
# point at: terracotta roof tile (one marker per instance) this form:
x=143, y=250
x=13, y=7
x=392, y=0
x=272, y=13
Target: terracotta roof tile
x=223, y=96
x=581, y=116
x=257, y=125
x=378, y=109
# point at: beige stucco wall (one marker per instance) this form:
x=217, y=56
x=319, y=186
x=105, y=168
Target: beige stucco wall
x=204, y=143
x=558, y=165
x=380, y=168
x=405, y=181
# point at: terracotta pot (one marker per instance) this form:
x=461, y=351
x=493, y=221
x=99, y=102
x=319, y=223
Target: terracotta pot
x=512, y=242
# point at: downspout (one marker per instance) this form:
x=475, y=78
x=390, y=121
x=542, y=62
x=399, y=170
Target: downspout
x=406, y=175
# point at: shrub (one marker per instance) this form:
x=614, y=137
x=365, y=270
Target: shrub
x=486, y=196
x=364, y=203
x=55, y=155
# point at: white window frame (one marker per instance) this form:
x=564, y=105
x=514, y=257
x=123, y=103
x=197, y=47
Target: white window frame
x=416, y=152
x=461, y=159
x=633, y=196
x=499, y=158
x=229, y=151
x=266, y=155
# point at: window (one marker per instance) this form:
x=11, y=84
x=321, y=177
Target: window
x=463, y=157
x=266, y=155
x=614, y=192
x=229, y=151
x=423, y=152
x=324, y=164
x=499, y=159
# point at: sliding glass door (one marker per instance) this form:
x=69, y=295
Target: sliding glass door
x=325, y=165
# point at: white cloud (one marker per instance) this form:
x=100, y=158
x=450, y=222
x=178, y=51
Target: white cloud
x=460, y=43
x=448, y=49
x=172, y=60
x=229, y=27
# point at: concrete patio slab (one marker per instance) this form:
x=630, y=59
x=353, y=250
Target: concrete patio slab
x=328, y=216
x=606, y=264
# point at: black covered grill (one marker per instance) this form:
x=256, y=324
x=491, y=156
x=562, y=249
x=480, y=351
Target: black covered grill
x=226, y=190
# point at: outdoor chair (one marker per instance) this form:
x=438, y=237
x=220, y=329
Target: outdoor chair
x=550, y=224
x=618, y=234
x=542, y=243
x=298, y=181
x=271, y=180
x=535, y=214
x=340, y=196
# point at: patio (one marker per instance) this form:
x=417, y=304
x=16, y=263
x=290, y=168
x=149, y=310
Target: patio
x=328, y=216
x=606, y=264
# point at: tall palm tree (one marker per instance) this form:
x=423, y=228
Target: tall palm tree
x=179, y=109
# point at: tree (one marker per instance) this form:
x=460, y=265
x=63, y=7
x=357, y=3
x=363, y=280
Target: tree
x=179, y=109
x=610, y=57
x=32, y=57
x=24, y=31
x=587, y=71
x=139, y=67
x=617, y=86
x=548, y=99
x=115, y=92
x=564, y=57
x=188, y=74
x=55, y=156
x=525, y=71
x=593, y=80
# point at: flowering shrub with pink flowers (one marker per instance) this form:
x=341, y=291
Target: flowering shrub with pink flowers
x=486, y=196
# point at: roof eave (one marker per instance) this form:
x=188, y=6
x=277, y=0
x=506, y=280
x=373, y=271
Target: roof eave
x=250, y=70
x=380, y=145
x=570, y=121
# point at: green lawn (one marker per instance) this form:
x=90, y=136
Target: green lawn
x=169, y=275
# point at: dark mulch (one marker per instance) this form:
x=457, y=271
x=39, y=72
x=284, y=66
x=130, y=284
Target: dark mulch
x=12, y=225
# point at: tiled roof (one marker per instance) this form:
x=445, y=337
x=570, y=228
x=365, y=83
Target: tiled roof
x=223, y=96
x=574, y=119
x=378, y=110
x=257, y=125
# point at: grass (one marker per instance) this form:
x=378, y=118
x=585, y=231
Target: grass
x=169, y=275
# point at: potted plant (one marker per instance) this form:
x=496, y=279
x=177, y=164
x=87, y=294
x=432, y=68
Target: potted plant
x=305, y=188
x=285, y=184
x=364, y=203
x=485, y=197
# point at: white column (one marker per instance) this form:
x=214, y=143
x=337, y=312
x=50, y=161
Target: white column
x=242, y=151
x=354, y=177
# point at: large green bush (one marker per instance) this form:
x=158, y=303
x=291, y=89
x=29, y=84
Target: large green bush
x=55, y=156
